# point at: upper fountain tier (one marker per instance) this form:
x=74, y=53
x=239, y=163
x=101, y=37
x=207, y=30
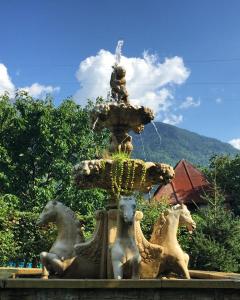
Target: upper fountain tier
x=119, y=116
x=121, y=175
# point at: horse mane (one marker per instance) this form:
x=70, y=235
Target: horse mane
x=161, y=221
x=70, y=213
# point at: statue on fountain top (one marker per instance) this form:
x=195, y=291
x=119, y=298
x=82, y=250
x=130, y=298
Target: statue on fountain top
x=118, y=84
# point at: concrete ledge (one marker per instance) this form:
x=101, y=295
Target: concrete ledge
x=119, y=284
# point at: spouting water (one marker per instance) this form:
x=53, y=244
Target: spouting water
x=158, y=134
x=118, y=52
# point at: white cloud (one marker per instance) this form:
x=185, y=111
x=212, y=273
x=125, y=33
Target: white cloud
x=35, y=90
x=235, y=143
x=218, y=100
x=38, y=90
x=6, y=84
x=173, y=119
x=149, y=82
x=189, y=102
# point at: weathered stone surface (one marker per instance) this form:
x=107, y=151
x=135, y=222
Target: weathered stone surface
x=120, y=118
x=115, y=116
x=120, y=290
x=137, y=175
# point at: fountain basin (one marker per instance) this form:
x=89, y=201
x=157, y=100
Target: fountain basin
x=121, y=176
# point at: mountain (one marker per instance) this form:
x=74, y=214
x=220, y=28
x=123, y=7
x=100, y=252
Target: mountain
x=169, y=144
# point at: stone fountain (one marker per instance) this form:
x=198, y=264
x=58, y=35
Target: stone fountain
x=120, y=176
x=71, y=257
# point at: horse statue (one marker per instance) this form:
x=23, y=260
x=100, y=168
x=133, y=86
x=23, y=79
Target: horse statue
x=124, y=251
x=62, y=252
x=174, y=259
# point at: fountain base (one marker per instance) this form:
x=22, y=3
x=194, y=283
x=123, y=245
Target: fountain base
x=52, y=289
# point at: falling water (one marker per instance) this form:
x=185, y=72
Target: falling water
x=109, y=96
x=145, y=158
x=94, y=124
x=118, y=52
x=143, y=148
x=158, y=134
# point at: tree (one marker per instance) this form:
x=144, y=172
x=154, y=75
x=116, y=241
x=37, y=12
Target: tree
x=39, y=146
x=216, y=242
x=224, y=170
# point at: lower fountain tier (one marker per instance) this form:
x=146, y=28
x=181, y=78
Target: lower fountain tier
x=121, y=176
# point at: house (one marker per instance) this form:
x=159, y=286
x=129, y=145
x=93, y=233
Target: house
x=187, y=187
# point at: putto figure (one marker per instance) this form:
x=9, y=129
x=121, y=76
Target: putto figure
x=118, y=84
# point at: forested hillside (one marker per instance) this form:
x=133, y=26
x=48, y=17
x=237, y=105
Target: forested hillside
x=175, y=144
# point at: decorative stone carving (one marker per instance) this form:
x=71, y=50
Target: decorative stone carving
x=118, y=84
x=124, y=251
x=174, y=259
x=62, y=252
x=70, y=256
x=120, y=118
x=136, y=175
x=151, y=254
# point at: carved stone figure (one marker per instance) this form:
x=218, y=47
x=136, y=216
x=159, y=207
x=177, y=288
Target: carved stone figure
x=174, y=259
x=118, y=84
x=62, y=252
x=70, y=256
x=121, y=142
x=151, y=254
x=124, y=251
x=120, y=118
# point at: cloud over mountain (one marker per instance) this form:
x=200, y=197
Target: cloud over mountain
x=149, y=82
x=235, y=143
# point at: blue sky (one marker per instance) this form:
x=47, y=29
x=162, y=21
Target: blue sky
x=47, y=43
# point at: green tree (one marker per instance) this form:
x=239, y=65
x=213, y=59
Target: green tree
x=8, y=219
x=151, y=212
x=39, y=146
x=216, y=242
x=224, y=170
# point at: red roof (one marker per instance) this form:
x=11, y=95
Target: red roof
x=186, y=187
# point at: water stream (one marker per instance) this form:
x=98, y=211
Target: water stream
x=158, y=134
x=94, y=124
x=118, y=52
x=143, y=148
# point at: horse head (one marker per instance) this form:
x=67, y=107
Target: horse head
x=185, y=218
x=48, y=214
x=127, y=209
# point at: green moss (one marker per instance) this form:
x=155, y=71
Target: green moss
x=123, y=165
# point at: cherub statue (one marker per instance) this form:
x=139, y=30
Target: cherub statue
x=118, y=84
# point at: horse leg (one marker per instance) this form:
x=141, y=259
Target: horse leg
x=136, y=266
x=45, y=273
x=186, y=256
x=117, y=269
x=183, y=269
x=52, y=262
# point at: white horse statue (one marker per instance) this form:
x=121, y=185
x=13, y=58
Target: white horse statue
x=62, y=252
x=174, y=259
x=124, y=251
